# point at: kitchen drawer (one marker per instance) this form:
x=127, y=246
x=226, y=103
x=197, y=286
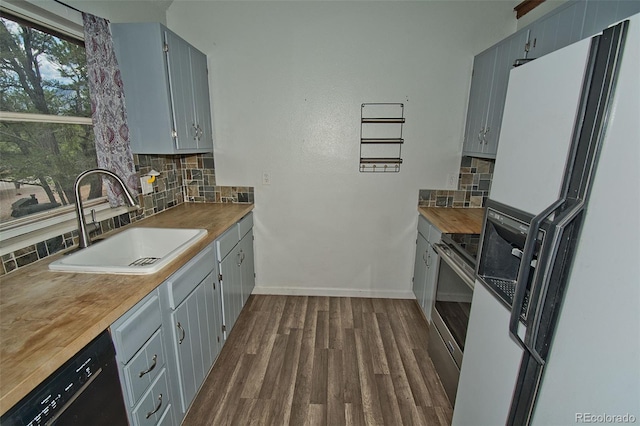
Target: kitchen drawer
x=444, y=364
x=144, y=367
x=226, y=242
x=423, y=227
x=167, y=418
x=154, y=402
x=180, y=284
x=134, y=328
x=449, y=342
x=245, y=224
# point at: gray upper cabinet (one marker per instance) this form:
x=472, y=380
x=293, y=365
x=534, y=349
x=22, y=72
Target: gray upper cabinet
x=488, y=93
x=166, y=90
x=575, y=21
x=507, y=52
x=561, y=27
x=602, y=13
x=479, y=100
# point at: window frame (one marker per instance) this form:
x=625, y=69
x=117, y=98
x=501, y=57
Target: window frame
x=38, y=227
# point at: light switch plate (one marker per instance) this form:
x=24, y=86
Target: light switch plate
x=266, y=178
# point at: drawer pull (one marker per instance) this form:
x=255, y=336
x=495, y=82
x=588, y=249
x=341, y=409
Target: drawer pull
x=148, y=370
x=450, y=347
x=184, y=334
x=151, y=413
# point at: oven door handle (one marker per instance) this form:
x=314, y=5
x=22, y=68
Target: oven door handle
x=443, y=251
x=525, y=268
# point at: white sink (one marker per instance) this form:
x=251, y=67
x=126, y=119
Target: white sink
x=136, y=251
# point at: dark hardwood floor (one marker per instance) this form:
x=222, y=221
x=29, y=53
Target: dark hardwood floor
x=296, y=360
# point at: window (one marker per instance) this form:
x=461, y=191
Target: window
x=46, y=137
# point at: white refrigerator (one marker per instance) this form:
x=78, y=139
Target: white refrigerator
x=570, y=145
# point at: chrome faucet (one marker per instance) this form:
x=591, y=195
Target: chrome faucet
x=83, y=234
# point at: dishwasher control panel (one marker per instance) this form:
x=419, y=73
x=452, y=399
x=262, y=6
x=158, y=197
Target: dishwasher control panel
x=52, y=397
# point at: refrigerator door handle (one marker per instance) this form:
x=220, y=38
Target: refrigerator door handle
x=525, y=268
x=561, y=223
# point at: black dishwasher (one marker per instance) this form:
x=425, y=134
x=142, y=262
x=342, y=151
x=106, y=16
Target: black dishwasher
x=84, y=391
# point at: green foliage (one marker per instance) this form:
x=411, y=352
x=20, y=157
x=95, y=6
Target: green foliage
x=43, y=74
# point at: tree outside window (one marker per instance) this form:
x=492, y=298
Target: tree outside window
x=46, y=138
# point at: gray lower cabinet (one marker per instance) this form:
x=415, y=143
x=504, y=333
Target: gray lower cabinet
x=166, y=90
x=167, y=343
x=230, y=278
x=191, y=314
x=194, y=339
x=236, y=269
x=247, y=268
x=141, y=356
x=426, y=266
x=420, y=269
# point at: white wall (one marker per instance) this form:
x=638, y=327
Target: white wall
x=287, y=80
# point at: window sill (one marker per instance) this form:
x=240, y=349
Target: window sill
x=17, y=242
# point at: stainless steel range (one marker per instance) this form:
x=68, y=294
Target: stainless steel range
x=454, y=290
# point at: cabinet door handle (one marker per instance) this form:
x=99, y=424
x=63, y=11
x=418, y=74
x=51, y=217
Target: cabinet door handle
x=241, y=256
x=239, y=260
x=484, y=137
x=195, y=131
x=184, y=334
x=148, y=370
x=480, y=134
x=151, y=413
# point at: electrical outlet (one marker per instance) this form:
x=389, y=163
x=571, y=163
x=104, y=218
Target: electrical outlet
x=147, y=188
x=452, y=181
x=266, y=178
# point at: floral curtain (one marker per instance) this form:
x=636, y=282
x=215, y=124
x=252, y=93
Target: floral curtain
x=107, y=106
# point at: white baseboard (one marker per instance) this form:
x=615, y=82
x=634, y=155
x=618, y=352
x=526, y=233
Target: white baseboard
x=335, y=292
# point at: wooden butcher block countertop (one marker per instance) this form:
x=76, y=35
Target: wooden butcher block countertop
x=46, y=317
x=453, y=220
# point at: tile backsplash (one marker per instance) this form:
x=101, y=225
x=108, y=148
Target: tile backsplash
x=474, y=184
x=182, y=179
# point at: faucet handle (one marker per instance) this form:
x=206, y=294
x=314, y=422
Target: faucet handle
x=94, y=221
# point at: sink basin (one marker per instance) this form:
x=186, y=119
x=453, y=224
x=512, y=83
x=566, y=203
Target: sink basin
x=136, y=251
